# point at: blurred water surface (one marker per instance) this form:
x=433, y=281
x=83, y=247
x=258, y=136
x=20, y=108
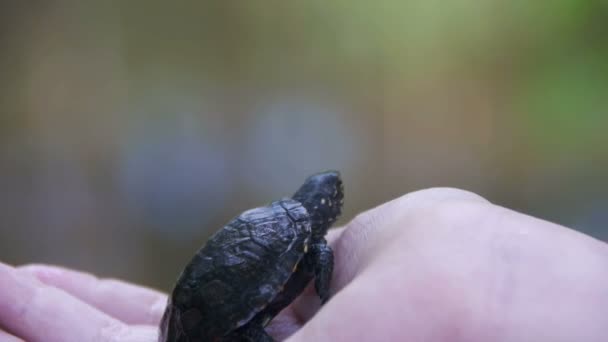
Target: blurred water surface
x=130, y=131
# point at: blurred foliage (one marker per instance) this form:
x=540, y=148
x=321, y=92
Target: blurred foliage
x=131, y=130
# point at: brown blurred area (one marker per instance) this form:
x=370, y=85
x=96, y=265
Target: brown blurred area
x=130, y=131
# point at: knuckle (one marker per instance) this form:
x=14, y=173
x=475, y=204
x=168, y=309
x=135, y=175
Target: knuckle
x=458, y=213
x=434, y=206
x=413, y=202
x=442, y=194
x=445, y=204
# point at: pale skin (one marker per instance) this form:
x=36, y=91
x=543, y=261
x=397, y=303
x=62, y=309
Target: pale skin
x=435, y=265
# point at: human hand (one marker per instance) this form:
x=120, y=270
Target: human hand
x=436, y=265
x=446, y=265
x=47, y=303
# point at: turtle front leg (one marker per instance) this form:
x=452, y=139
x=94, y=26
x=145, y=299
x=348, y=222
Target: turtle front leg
x=323, y=263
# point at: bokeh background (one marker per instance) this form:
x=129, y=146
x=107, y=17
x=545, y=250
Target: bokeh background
x=131, y=130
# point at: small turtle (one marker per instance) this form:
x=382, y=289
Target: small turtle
x=255, y=266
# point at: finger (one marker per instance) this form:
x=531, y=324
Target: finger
x=369, y=233
x=479, y=273
x=37, y=312
x=127, y=302
x=6, y=337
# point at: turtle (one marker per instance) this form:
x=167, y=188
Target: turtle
x=255, y=266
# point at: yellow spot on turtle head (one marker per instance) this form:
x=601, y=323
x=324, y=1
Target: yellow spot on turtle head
x=322, y=201
x=305, y=248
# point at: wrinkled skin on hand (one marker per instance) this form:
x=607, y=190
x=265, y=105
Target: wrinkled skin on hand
x=435, y=265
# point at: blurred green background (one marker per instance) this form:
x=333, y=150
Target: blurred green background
x=131, y=130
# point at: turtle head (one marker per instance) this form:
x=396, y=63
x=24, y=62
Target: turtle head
x=322, y=195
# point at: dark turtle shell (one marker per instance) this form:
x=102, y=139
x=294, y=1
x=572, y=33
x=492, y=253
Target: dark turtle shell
x=238, y=272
